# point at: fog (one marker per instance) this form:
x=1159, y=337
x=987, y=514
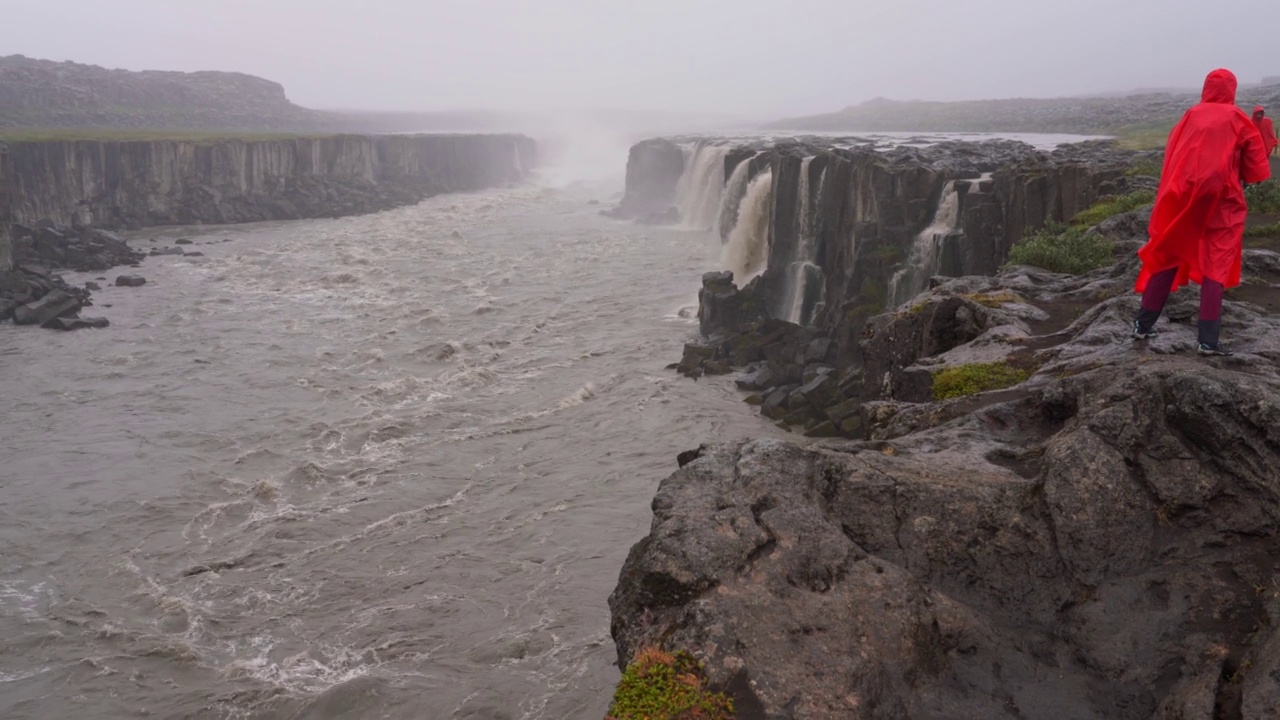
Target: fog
x=739, y=61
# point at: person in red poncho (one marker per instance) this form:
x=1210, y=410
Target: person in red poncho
x=1268, y=130
x=1197, y=225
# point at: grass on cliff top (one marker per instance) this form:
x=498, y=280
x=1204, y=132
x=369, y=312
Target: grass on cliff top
x=1143, y=136
x=659, y=685
x=975, y=378
x=16, y=135
x=1063, y=249
x=1109, y=207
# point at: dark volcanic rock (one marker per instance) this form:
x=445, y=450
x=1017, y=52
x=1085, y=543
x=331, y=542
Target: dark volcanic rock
x=1127, y=574
x=76, y=323
x=53, y=305
x=130, y=281
x=653, y=169
x=1095, y=541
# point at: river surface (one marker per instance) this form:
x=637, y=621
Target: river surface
x=375, y=467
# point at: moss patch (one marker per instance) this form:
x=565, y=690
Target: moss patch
x=995, y=299
x=1145, y=167
x=975, y=378
x=659, y=685
x=1059, y=248
x=1111, y=206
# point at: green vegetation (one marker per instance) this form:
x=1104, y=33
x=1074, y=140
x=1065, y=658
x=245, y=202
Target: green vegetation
x=1111, y=206
x=658, y=685
x=1264, y=197
x=1143, y=136
x=1059, y=248
x=975, y=378
x=994, y=300
x=1146, y=167
x=196, y=136
x=1263, y=231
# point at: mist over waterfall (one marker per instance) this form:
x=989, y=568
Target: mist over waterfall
x=731, y=200
x=701, y=187
x=922, y=263
x=804, y=281
x=748, y=247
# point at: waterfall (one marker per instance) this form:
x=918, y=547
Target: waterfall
x=700, y=188
x=747, y=250
x=804, y=279
x=731, y=201
x=913, y=276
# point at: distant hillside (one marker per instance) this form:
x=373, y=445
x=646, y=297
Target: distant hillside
x=1088, y=115
x=46, y=94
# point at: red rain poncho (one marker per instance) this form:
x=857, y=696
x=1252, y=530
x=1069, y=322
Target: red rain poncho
x=1263, y=123
x=1197, y=225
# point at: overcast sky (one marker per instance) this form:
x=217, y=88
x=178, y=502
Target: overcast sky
x=743, y=57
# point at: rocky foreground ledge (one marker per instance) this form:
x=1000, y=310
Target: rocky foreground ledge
x=1098, y=539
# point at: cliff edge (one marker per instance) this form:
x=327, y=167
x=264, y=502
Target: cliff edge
x=1095, y=537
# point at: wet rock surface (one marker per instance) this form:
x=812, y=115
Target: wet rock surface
x=1098, y=540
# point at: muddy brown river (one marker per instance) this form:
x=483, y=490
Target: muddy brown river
x=375, y=467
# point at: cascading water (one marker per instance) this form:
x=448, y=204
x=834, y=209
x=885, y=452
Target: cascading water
x=748, y=247
x=734, y=191
x=699, y=192
x=922, y=263
x=804, y=278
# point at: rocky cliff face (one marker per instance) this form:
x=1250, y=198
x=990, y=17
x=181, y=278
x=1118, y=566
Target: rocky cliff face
x=846, y=231
x=1098, y=540
x=163, y=182
x=6, y=212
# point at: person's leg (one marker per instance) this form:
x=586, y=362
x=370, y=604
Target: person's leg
x=1153, y=300
x=1211, y=317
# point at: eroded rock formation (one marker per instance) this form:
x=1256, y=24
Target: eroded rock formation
x=1097, y=541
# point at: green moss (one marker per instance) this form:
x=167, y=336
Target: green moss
x=975, y=378
x=1264, y=197
x=658, y=685
x=1146, y=167
x=109, y=135
x=995, y=299
x=888, y=254
x=1263, y=231
x=1058, y=248
x=1111, y=206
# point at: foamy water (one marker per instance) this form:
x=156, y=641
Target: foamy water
x=385, y=466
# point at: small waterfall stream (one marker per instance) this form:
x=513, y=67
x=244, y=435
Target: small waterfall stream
x=912, y=276
x=804, y=278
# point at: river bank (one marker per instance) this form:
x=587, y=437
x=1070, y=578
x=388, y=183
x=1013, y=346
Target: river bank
x=1037, y=515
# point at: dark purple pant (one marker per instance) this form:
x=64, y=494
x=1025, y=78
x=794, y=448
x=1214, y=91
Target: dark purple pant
x=1157, y=293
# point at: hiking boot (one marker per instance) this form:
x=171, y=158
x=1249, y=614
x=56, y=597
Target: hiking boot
x=1143, y=333
x=1215, y=350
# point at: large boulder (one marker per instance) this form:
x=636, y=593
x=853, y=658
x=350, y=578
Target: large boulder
x=53, y=305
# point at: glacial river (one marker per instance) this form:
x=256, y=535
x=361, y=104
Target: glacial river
x=375, y=467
